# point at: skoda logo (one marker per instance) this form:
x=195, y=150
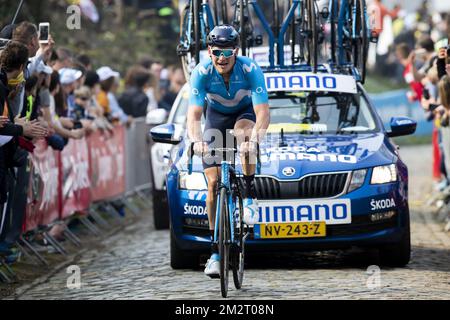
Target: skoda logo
x=288, y=171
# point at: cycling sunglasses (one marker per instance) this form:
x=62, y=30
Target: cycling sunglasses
x=225, y=52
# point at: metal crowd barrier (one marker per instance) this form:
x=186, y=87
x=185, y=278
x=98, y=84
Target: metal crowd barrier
x=89, y=177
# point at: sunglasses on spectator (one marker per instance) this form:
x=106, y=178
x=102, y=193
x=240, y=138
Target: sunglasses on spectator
x=225, y=52
x=84, y=98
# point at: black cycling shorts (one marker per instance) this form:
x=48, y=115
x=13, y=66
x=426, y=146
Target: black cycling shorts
x=215, y=132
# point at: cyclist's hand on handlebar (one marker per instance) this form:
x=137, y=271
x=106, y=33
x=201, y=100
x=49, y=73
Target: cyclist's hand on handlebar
x=200, y=148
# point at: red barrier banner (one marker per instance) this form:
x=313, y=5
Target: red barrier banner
x=43, y=205
x=76, y=193
x=107, y=163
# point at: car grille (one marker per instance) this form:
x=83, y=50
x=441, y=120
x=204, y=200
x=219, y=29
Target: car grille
x=361, y=225
x=314, y=186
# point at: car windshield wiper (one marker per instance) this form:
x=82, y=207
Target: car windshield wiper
x=347, y=132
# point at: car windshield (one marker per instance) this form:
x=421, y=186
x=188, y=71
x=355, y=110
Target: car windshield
x=181, y=109
x=306, y=112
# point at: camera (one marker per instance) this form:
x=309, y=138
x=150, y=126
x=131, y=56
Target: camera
x=77, y=125
x=426, y=93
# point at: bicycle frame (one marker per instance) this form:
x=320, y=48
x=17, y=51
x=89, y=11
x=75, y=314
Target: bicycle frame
x=284, y=27
x=279, y=41
x=225, y=183
x=225, y=169
x=260, y=15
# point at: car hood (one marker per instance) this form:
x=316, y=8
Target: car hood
x=297, y=155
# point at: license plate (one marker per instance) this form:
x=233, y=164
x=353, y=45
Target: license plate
x=290, y=230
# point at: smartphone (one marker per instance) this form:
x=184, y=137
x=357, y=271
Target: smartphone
x=426, y=93
x=433, y=107
x=44, y=32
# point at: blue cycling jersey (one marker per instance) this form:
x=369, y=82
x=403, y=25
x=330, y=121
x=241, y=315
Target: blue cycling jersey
x=247, y=86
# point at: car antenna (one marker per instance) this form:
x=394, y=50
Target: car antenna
x=17, y=11
x=282, y=143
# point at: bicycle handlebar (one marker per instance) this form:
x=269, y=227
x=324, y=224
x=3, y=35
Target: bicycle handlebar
x=223, y=150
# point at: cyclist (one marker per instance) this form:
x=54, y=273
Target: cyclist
x=234, y=90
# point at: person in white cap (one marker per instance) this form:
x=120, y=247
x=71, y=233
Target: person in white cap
x=68, y=78
x=107, y=77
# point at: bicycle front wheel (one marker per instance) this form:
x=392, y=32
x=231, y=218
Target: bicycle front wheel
x=238, y=255
x=224, y=241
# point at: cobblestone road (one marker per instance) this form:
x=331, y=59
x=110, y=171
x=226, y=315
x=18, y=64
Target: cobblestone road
x=134, y=264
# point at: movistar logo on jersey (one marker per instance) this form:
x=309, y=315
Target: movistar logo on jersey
x=335, y=211
x=297, y=81
x=249, y=68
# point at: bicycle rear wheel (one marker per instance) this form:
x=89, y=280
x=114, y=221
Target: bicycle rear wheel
x=242, y=28
x=314, y=31
x=333, y=27
x=189, y=47
x=197, y=28
x=361, y=42
x=224, y=241
x=220, y=12
x=309, y=34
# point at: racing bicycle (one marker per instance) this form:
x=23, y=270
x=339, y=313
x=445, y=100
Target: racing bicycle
x=195, y=23
x=353, y=34
x=230, y=232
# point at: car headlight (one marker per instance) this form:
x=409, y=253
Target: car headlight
x=384, y=174
x=358, y=178
x=194, y=181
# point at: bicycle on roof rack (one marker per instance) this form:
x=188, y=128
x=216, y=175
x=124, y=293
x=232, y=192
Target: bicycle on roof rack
x=343, y=45
x=196, y=22
x=353, y=34
x=301, y=21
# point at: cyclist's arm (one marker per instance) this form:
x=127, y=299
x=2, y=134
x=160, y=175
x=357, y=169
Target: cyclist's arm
x=262, y=122
x=194, y=123
x=196, y=102
x=260, y=101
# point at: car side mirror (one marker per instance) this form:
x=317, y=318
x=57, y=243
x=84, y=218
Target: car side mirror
x=166, y=133
x=402, y=126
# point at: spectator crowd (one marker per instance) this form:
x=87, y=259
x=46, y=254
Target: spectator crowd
x=420, y=56
x=49, y=92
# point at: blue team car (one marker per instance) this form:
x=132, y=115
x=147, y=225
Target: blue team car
x=330, y=178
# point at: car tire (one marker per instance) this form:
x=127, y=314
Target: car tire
x=180, y=259
x=398, y=254
x=160, y=210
